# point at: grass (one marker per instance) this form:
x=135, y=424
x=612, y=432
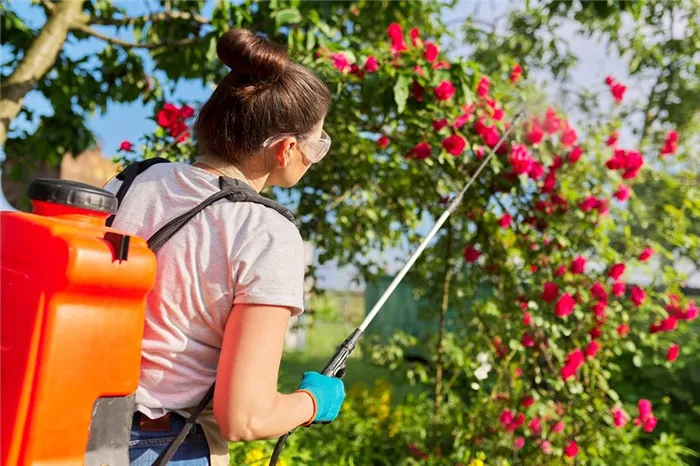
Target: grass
x=322, y=341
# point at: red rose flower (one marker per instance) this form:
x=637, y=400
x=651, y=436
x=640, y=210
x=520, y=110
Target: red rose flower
x=421, y=151
x=588, y=204
x=616, y=89
x=558, y=427
x=341, y=63
x=454, y=144
x=516, y=73
x=565, y=305
x=592, y=349
x=527, y=341
x=598, y=292
x=650, y=424
x=571, y=450
x=126, y=146
x=415, y=37
x=646, y=254
x=619, y=418
x=616, y=271
x=186, y=111
x=575, y=154
x=550, y=292
x=445, y=90
x=595, y=332
x=397, y=40
x=692, y=312
x=623, y=192
x=417, y=91
x=505, y=221
x=431, y=52
x=623, y=330
x=672, y=353
x=383, y=142
x=439, y=124
x=669, y=324
x=578, y=265
x=371, y=64
x=568, y=135
x=506, y=418
x=551, y=123
x=637, y=295
x=670, y=144
x=536, y=170
x=535, y=133
x=618, y=289
x=471, y=254
x=168, y=115
x=520, y=159
x=527, y=401
x=549, y=182
x=482, y=89
x=599, y=309
x=645, y=409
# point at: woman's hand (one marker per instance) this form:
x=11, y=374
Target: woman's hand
x=328, y=394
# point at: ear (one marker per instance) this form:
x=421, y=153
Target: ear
x=285, y=150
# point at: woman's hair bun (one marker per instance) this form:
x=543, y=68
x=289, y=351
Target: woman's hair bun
x=252, y=55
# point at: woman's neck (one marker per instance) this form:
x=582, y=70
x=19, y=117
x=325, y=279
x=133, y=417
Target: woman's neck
x=255, y=180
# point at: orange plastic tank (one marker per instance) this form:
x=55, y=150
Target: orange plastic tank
x=72, y=306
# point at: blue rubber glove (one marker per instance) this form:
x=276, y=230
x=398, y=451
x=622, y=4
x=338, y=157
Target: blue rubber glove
x=328, y=392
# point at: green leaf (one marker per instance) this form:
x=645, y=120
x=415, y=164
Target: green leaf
x=637, y=360
x=287, y=16
x=401, y=93
x=310, y=39
x=211, y=51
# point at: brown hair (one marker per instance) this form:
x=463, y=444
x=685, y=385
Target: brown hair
x=264, y=94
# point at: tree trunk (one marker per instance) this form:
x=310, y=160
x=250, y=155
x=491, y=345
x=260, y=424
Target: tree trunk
x=38, y=60
x=443, y=319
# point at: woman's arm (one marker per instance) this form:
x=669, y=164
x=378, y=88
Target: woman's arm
x=247, y=405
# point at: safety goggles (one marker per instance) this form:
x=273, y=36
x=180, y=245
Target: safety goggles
x=314, y=148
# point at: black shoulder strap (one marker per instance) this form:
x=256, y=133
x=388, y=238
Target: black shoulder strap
x=128, y=175
x=169, y=452
x=232, y=190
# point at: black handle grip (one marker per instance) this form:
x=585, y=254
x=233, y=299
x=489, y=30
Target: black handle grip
x=334, y=368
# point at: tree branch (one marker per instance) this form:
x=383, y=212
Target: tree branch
x=166, y=15
x=132, y=45
x=154, y=17
x=37, y=61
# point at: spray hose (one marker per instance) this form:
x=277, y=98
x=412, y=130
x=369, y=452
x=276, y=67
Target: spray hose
x=336, y=365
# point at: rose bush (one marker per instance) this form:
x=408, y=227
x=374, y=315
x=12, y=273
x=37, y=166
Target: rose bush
x=534, y=230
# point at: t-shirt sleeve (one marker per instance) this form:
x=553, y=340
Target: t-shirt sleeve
x=269, y=269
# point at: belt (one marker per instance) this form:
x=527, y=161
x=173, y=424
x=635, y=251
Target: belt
x=146, y=424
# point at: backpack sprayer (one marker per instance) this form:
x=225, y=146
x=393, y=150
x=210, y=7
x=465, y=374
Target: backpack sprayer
x=336, y=365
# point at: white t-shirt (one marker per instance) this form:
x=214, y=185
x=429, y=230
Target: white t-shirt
x=230, y=252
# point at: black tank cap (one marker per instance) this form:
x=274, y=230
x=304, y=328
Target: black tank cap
x=74, y=194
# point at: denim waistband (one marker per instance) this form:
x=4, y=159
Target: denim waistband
x=141, y=438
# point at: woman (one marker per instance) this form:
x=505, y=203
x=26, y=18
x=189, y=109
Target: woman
x=230, y=279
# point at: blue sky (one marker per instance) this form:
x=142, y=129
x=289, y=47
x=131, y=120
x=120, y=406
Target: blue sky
x=131, y=121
